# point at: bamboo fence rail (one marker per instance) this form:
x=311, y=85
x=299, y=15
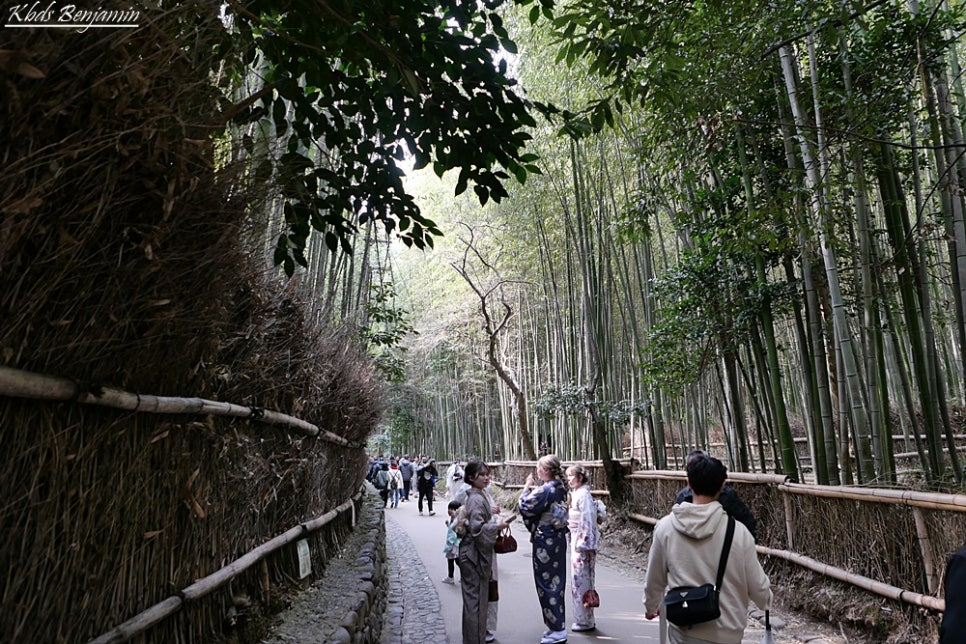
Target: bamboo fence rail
x=25, y=384
x=779, y=486
x=930, y=500
x=168, y=607
x=916, y=500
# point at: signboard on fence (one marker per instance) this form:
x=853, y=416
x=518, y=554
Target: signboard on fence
x=305, y=561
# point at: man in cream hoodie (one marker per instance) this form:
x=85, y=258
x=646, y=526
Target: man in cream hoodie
x=685, y=550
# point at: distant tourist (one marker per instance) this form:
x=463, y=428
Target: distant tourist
x=686, y=549
x=544, y=511
x=407, y=469
x=729, y=500
x=382, y=482
x=426, y=475
x=476, y=554
x=454, y=478
x=395, y=484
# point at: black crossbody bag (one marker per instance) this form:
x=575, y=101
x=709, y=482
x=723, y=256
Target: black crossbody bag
x=690, y=605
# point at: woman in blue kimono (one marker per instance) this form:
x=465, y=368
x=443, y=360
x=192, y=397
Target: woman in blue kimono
x=544, y=511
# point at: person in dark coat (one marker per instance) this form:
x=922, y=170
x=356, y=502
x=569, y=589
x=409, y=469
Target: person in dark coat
x=426, y=475
x=407, y=469
x=952, y=629
x=729, y=500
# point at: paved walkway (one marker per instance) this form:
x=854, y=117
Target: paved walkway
x=414, y=614
x=422, y=610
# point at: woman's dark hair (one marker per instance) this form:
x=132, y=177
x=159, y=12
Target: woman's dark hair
x=473, y=469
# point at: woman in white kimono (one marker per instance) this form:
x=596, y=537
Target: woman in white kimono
x=476, y=552
x=584, y=538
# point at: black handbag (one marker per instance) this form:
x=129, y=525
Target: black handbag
x=690, y=605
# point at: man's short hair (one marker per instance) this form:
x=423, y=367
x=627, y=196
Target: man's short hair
x=706, y=475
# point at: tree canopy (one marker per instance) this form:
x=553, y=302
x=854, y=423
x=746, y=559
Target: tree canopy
x=354, y=86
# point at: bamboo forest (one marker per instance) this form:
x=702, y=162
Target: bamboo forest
x=747, y=231
x=246, y=247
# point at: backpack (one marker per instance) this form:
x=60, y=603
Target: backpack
x=601, y=510
x=381, y=479
x=393, y=483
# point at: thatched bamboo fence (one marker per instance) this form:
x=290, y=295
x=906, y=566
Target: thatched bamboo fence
x=143, y=621
x=133, y=259
x=889, y=542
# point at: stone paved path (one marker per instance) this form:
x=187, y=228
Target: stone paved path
x=414, y=614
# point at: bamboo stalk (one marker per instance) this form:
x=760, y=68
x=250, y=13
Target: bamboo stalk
x=164, y=609
x=24, y=384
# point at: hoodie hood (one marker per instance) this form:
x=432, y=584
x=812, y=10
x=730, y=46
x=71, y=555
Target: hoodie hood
x=697, y=521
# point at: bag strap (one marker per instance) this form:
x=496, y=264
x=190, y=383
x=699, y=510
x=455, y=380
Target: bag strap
x=725, y=550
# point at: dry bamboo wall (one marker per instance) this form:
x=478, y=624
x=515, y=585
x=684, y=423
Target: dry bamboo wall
x=126, y=264
x=891, y=542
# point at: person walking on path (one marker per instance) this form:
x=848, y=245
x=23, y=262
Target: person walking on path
x=729, y=500
x=544, y=512
x=407, y=469
x=686, y=549
x=395, y=483
x=584, y=539
x=452, y=546
x=381, y=481
x=476, y=553
x=454, y=478
x=426, y=475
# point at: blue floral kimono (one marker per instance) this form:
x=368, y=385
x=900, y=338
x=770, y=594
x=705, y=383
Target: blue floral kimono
x=549, y=539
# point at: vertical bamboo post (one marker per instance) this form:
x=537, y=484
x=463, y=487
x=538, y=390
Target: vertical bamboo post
x=789, y=523
x=266, y=583
x=925, y=547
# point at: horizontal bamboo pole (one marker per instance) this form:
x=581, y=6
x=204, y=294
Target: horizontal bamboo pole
x=643, y=519
x=513, y=486
x=25, y=384
x=164, y=609
x=681, y=475
x=871, y=585
x=598, y=463
x=931, y=500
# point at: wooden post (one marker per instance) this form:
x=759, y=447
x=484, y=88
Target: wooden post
x=925, y=548
x=789, y=522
